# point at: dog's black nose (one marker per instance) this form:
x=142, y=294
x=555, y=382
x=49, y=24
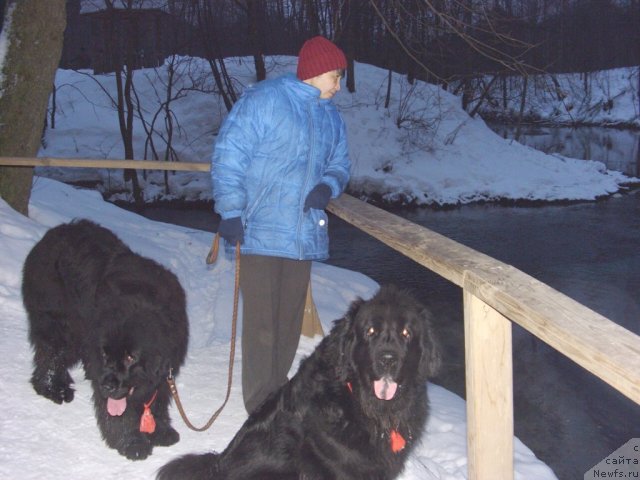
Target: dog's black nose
x=109, y=384
x=388, y=359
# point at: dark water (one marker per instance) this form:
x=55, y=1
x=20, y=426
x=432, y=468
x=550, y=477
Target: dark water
x=616, y=148
x=589, y=251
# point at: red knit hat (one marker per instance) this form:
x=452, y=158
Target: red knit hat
x=317, y=56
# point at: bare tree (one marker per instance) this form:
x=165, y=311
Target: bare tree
x=35, y=31
x=208, y=20
x=457, y=41
x=119, y=44
x=180, y=79
x=255, y=11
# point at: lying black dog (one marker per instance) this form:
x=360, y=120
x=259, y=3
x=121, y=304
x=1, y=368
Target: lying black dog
x=354, y=410
x=90, y=299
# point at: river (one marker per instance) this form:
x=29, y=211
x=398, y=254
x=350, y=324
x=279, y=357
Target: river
x=616, y=148
x=589, y=251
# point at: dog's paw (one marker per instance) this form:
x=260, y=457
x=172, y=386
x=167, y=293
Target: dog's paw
x=53, y=388
x=135, y=447
x=164, y=436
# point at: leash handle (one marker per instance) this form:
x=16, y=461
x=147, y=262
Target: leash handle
x=213, y=253
x=232, y=352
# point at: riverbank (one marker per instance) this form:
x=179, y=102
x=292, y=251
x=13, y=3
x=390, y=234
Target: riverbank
x=423, y=150
x=511, y=118
x=377, y=200
x=607, y=98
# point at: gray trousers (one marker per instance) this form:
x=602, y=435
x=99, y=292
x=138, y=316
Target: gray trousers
x=274, y=291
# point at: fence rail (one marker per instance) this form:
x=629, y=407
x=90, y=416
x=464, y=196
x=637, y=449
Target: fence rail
x=494, y=295
x=104, y=163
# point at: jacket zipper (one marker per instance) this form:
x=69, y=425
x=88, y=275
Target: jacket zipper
x=306, y=181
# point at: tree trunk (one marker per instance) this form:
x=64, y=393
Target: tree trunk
x=523, y=102
x=387, y=99
x=348, y=34
x=124, y=64
x=638, y=141
x=255, y=14
x=35, y=31
x=483, y=95
x=211, y=45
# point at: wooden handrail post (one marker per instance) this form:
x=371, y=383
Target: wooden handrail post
x=489, y=381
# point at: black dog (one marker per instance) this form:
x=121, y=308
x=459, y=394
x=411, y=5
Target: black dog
x=90, y=299
x=354, y=410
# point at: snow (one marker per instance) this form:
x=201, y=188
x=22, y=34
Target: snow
x=455, y=159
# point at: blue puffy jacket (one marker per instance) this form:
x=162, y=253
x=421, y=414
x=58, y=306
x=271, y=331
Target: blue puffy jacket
x=279, y=141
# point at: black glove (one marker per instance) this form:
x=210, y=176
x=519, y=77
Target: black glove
x=231, y=230
x=318, y=197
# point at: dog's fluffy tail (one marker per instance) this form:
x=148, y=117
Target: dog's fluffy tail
x=191, y=467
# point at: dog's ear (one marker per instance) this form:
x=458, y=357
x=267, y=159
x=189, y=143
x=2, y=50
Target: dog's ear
x=431, y=359
x=339, y=347
x=158, y=366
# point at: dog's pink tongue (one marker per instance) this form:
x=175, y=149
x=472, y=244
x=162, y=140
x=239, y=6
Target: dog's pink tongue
x=116, y=407
x=385, y=388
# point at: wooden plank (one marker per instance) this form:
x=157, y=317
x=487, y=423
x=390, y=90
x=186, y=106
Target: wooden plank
x=594, y=342
x=430, y=249
x=104, y=163
x=311, y=325
x=489, y=380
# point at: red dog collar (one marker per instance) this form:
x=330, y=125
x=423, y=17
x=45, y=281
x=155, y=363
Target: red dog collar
x=395, y=437
x=147, y=422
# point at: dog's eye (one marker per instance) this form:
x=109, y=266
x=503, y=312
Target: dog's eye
x=406, y=333
x=371, y=331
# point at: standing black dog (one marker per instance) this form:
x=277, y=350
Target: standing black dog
x=90, y=299
x=354, y=410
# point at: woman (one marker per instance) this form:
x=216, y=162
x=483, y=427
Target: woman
x=280, y=156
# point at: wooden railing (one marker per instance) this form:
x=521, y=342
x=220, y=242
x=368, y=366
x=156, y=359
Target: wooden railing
x=103, y=163
x=494, y=295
